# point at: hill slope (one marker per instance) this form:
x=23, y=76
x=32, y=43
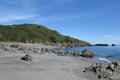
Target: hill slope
x=34, y=33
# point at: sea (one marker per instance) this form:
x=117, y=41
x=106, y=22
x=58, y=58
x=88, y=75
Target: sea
x=105, y=53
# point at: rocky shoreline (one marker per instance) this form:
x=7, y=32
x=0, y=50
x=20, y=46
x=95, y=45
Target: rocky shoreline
x=41, y=49
x=108, y=71
x=35, y=53
x=26, y=48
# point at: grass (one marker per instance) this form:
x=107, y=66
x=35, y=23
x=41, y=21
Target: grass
x=34, y=33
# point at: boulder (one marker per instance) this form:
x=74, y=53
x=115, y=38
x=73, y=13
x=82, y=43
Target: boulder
x=27, y=57
x=87, y=53
x=115, y=63
x=61, y=53
x=75, y=54
x=14, y=46
x=111, y=67
x=101, y=71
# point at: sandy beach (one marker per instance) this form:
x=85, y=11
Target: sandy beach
x=44, y=67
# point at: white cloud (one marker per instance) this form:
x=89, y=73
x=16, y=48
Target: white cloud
x=53, y=19
x=32, y=10
x=12, y=18
x=26, y=9
x=109, y=39
x=12, y=11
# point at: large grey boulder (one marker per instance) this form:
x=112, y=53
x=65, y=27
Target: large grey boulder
x=87, y=53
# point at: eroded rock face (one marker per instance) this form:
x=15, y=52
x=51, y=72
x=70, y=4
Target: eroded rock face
x=102, y=71
x=27, y=57
x=87, y=53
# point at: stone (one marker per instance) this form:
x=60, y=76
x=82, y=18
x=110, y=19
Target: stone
x=76, y=54
x=87, y=53
x=115, y=63
x=111, y=67
x=106, y=72
x=14, y=45
x=27, y=57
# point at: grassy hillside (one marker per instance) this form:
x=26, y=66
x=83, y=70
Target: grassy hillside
x=34, y=33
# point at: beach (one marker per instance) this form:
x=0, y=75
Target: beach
x=47, y=66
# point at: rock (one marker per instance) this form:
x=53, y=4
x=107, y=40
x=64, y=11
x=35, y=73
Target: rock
x=87, y=53
x=53, y=51
x=67, y=53
x=113, y=45
x=61, y=53
x=101, y=45
x=75, y=54
x=47, y=50
x=27, y=57
x=101, y=71
x=15, y=45
x=111, y=67
x=115, y=63
x=5, y=47
x=42, y=50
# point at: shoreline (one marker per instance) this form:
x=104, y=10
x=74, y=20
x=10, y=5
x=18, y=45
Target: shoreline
x=45, y=66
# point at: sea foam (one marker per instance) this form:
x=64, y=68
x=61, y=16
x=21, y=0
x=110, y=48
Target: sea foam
x=104, y=59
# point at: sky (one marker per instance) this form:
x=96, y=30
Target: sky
x=95, y=21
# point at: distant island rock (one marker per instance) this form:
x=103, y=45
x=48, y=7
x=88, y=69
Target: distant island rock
x=101, y=45
x=33, y=33
x=113, y=45
x=104, y=45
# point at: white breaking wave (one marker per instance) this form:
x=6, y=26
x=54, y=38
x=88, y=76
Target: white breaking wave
x=104, y=59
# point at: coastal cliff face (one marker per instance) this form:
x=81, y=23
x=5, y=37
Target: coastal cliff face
x=33, y=33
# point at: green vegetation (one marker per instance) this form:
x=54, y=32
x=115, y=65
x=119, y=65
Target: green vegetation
x=34, y=33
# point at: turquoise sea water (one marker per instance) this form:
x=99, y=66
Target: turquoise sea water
x=107, y=52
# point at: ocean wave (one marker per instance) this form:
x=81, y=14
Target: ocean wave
x=104, y=59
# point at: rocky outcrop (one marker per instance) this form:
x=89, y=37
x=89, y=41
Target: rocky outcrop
x=23, y=48
x=27, y=57
x=68, y=53
x=14, y=45
x=113, y=45
x=104, y=72
x=101, y=45
x=87, y=53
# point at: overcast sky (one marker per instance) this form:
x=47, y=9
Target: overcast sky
x=90, y=20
